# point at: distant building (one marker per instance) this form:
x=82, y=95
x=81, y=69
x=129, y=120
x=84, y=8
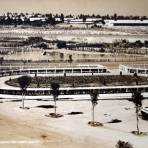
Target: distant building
x=81, y=21
x=69, y=19
x=57, y=19
x=32, y=19
x=74, y=21
x=126, y=22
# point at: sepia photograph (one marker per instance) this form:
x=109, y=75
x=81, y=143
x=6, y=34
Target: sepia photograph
x=74, y=74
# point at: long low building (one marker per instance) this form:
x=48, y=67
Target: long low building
x=126, y=22
x=81, y=21
x=80, y=69
x=134, y=68
x=32, y=19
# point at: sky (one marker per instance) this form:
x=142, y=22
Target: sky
x=123, y=7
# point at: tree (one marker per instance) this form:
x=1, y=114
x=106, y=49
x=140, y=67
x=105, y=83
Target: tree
x=94, y=99
x=62, y=18
x=84, y=18
x=53, y=21
x=1, y=60
x=146, y=43
x=61, y=56
x=49, y=18
x=115, y=16
x=94, y=96
x=43, y=46
x=138, y=44
x=121, y=73
x=61, y=44
x=24, y=82
x=70, y=60
x=55, y=92
x=136, y=78
x=137, y=100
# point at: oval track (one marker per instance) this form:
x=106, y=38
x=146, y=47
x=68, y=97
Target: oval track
x=114, y=92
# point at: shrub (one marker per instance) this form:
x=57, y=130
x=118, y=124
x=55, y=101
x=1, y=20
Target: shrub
x=123, y=144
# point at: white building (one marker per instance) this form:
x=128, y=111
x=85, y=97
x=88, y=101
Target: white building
x=126, y=22
x=32, y=19
x=81, y=21
x=134, y=68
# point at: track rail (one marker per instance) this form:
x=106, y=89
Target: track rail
x=104, y=90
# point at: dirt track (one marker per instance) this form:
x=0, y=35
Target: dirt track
x=18, y=134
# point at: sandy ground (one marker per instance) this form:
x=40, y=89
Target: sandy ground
x=30, y=128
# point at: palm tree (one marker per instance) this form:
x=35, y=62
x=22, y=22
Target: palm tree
x=94, y=99
x=24, y=82
x=94, y=96
x=137, y=100
x=55, y=92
